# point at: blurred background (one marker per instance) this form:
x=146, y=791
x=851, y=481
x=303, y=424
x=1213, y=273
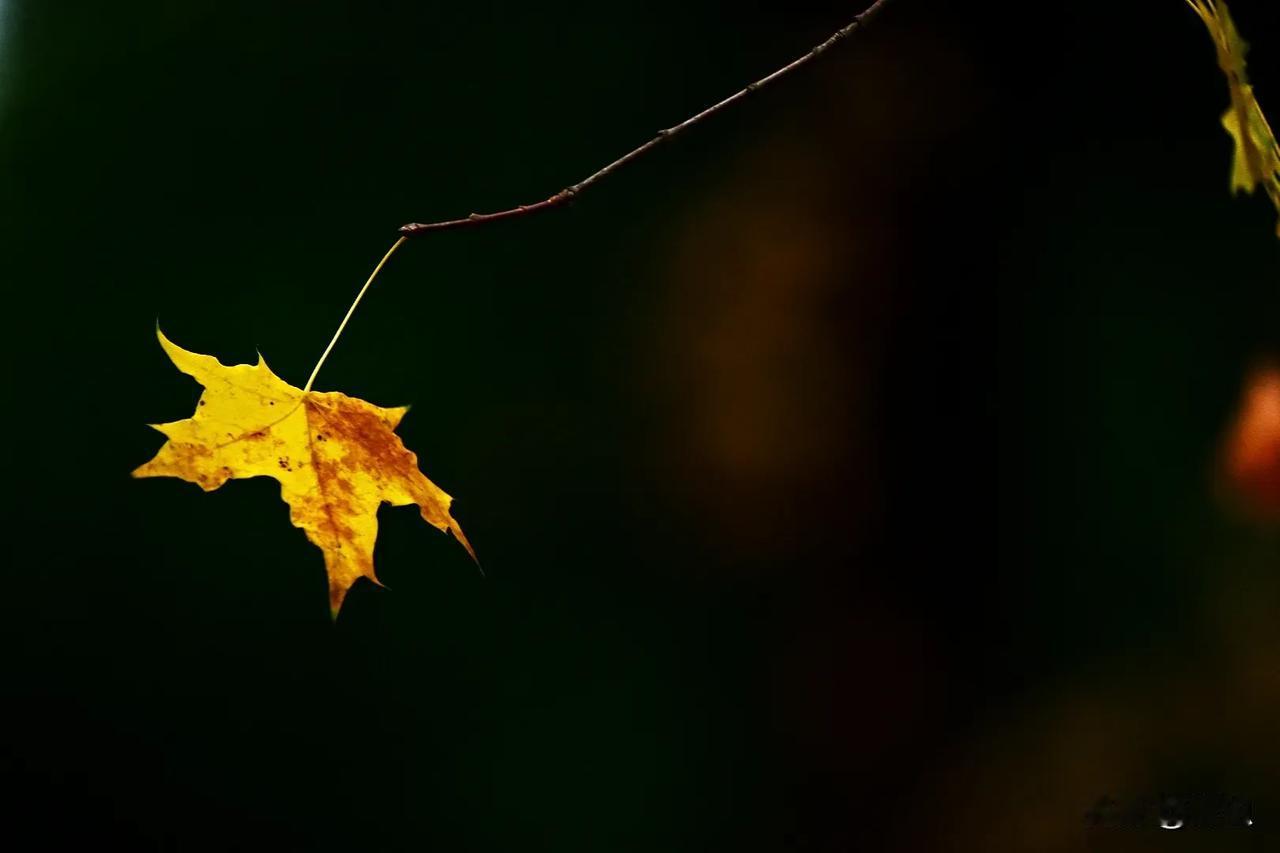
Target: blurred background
x=887, y=464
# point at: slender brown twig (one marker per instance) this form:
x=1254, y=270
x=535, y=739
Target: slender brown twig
x=570, y=192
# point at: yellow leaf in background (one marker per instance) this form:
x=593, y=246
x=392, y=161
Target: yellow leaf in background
x=1257, y=157
x=337, y=458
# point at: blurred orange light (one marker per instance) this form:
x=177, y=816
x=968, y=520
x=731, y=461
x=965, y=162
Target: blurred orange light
x=1253, y=444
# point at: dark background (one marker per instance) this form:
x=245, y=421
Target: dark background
x=845, y=473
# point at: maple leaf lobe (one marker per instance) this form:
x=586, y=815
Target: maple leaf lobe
x=337, y=458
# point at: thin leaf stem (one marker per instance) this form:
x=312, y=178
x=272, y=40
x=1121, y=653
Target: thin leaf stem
x=570, y=192
x=350, y=311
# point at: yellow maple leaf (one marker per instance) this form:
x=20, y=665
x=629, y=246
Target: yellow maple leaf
x=337, y=458
x=1257, y=156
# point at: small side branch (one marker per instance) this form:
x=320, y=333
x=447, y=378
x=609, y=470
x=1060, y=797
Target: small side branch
x=569, y=193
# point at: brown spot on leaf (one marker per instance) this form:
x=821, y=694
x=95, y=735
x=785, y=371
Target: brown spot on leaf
x=366, y=433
